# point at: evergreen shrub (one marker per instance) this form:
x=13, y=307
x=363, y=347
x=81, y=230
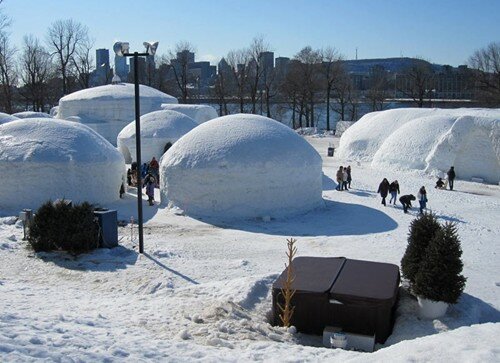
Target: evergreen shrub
x=61, y=227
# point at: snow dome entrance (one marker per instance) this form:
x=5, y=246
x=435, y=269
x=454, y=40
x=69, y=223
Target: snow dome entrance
x=241, y=166
x=107, y=109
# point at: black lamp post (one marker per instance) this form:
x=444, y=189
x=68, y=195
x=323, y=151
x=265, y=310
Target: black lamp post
x=122, y=50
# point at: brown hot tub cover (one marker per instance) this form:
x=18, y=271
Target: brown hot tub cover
x=358, y=296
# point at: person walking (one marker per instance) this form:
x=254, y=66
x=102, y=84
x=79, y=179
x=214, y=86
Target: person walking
x=394, y=190
x=349, y=178
x=406, y=201
x=344, y=179
x=451, y=176
x=383, y=189
x=422, y=199
x=340, y=178
x=150, y=188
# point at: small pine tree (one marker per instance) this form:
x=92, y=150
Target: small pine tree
x=439, y=276
x=63, y=227
x=287, y=291
x=422, y=230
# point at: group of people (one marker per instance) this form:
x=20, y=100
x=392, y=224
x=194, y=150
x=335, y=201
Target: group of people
x=149, y=179
x=442, y=184
x=343, y=178
x=385, y=188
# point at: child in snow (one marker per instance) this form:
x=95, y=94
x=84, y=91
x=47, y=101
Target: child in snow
x=439, y=184
x=383, y=189
x=150, y=188
x=349, y=178
x=406, y=201
x=394, y=190
x=344, y=179
x=422, y=199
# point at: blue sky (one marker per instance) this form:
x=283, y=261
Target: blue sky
x=442, y=31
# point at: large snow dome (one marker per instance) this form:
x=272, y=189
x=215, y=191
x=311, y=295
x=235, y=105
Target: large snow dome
x=428, y=139
x=241, y=166
x=199, y=113
x=5, y=117
x=107, y=109
x=159, y=131
x=31, y=114
x=43, y=160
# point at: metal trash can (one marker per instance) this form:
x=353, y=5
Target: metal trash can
x=108, y=228
x=331, y=150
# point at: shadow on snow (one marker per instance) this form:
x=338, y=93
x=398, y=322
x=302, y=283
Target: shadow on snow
x=334, y=219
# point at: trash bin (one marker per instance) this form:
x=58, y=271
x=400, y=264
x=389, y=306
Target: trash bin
x=108, y=228
x=331, y=150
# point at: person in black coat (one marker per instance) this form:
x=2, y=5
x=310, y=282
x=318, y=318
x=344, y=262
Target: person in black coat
x=394, y=190
x=439, y=184
x=406, y=201
x=383, y=189
x=451, y=177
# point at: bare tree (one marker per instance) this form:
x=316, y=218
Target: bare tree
x=35, y=69
x=378, y=88
x=256, y=68
x=180, y=59
x=222, y=89
x=486, y=62
x=7, y=65
x=290, y=89
x=83, y=62
x=239, y=61
x=342, y=91
x=64, y=38
x=331, y=72
x=417, y=81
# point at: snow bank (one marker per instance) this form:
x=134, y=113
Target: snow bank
x=31, y=114
x=5, y=117
x=199, y=113
x=48, y=160
x=428, y=139
x=159, y=130
x=107, y=109
x=53, y=111
x=241, y=166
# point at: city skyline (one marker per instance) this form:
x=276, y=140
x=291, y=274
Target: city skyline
x=445, y=32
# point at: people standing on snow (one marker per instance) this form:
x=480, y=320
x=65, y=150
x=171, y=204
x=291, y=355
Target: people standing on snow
x=144, y=170
x=383, y=189
x=394, y=190
x=406, y=201
x=340, y=178
x=422, y=199
x=122, y=190
x=344, y=179
x=349, y=178
x=451, y=176
x=439, y=183
x=149, y=183
x=154, y=168
x=129, y=177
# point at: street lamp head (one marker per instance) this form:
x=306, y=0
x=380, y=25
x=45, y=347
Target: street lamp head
x=151, y=47
x=121, y=48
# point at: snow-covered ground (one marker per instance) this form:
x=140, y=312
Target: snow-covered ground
x=201, y=292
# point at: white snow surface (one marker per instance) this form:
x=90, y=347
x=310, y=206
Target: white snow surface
x=107, y=109
x=157, y=129
x=58, y=159
x=31, y=114
x=428, y=139
x=241, y=166
x=199, y=113
x=5, y=117
x=53, y=111
x=202, y=291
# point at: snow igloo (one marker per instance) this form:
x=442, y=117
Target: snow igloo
x=431, y=140
x=241, y=166
x=59, y=159
x=159, y=131
x=199, y=113
x=5, y=117
x=107, y=109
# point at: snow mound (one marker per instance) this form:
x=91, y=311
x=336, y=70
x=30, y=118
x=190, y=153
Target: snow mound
x=31, y=114
x=159, y=131
x=199, y=113
x=53, y=111
x=431, y=140
x=60, y=159
x=241, y=166
x=107, y=109
x=5, y=117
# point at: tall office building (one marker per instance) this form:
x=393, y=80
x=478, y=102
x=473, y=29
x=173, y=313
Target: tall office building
x=121, y=68
x=102, y=68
